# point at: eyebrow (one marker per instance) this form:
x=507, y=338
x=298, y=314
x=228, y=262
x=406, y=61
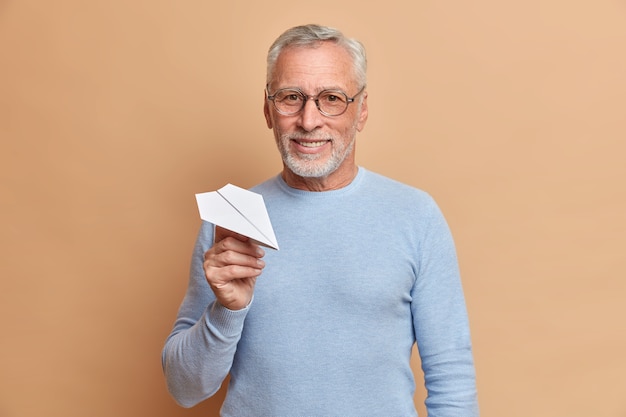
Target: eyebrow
x=317, y=91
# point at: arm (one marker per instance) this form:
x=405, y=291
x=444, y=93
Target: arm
x=441, y=326
x=199, y=352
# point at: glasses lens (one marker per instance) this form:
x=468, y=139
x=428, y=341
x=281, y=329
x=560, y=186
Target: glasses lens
x=333, y=103
x=288, y=101
x=329, y=102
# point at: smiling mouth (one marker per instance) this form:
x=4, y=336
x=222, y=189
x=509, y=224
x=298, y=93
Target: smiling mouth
x=311, y=144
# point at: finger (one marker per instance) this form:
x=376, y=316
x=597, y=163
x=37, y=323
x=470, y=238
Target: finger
x=224, y=275
x=233, y=257
x=221, y=233
x=232, y=244
x=233, y=252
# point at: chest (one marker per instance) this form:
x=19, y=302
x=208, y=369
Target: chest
x=360, y=261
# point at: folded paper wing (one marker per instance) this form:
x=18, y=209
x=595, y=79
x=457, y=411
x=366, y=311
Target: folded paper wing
x=239, y=210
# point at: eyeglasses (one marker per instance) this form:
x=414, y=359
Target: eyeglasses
x=290, y=101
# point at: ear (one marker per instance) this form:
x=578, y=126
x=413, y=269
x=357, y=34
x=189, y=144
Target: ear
x=266, y=112
x=362, y=118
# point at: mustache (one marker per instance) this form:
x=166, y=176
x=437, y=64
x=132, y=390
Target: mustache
x=306, y=136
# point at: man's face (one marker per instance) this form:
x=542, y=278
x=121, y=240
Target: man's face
x=314, y=146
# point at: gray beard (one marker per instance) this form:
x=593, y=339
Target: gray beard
x=308, y=166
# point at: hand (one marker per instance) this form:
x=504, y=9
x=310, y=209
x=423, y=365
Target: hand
x=231, y=268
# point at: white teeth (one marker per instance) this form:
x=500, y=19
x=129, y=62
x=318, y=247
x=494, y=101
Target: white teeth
x=312, y=144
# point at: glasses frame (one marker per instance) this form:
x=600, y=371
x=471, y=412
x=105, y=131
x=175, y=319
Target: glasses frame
x=315, y=99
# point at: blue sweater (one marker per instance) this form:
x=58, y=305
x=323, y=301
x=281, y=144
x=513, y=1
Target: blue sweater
x=362, y=274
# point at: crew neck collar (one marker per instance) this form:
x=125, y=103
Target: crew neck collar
x=361, y=172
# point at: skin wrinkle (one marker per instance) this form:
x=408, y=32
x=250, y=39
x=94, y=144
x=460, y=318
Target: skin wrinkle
x=331, y=165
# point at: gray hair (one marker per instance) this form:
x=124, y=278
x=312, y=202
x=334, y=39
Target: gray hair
x=311, y=36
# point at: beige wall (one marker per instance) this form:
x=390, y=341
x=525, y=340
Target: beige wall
x=114, y=113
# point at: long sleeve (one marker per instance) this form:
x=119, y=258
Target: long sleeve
x=199, y=352
x=441, y=326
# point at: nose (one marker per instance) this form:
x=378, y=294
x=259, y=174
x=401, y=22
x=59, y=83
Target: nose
x=310, y=117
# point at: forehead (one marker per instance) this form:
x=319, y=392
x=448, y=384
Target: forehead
x=326, y=65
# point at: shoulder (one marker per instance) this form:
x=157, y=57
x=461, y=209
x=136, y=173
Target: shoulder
x=270, y=186
x=394, y=191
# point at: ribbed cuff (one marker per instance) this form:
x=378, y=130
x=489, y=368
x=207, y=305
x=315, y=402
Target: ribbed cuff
x=228, y=322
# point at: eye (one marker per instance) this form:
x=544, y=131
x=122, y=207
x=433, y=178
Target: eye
x=289, y=97
x=334, y=98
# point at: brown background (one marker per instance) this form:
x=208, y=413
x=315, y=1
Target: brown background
x=114, y=113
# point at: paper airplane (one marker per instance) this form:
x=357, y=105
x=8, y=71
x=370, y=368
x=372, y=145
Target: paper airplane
x=239, y=210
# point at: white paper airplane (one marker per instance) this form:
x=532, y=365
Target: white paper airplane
x=239, y=210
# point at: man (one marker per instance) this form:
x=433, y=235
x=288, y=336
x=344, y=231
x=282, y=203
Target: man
x=367, y=268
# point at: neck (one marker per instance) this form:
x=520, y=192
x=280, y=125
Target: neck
x=334, y=181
